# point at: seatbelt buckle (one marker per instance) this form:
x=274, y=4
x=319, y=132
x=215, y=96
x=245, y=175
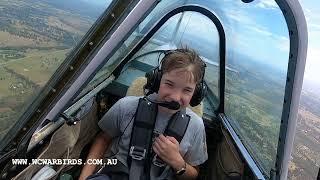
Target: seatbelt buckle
x=157, y=161
x=137, y=153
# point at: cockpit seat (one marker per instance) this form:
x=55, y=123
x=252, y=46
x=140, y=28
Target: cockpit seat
x=136, y=89
x=66, y=143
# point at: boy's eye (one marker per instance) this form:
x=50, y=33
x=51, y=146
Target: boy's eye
x=188, y=90
x=168, y=84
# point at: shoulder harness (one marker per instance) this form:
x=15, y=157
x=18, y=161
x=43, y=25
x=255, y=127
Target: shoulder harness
x=140, y=155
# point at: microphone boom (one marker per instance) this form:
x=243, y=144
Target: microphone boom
x=173, y=105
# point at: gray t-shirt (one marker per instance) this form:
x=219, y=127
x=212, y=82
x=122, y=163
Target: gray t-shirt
x=118, y=121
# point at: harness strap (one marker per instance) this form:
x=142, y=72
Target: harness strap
x=178, y=125
x=141, y=139
x=140, y=155
x=176, y=128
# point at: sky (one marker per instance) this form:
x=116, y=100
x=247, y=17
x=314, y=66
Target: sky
x=256, y=29
x=311, y=10
x=275, y=38
x=259, y=29
x=98, y=2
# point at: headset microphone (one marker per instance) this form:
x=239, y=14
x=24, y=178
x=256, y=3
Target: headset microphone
x=173, y=105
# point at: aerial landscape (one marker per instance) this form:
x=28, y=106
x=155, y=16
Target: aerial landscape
x=35, y=39
x=305, y=160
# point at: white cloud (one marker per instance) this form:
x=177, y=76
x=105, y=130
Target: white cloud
x=312, y=64
x=245, y=21
x=313, y=26
x=313, y=38
x=311, y=9
x=283, y=44
x=239, y=16
x=254, y=29
x=253, y=36
x=260, y=30
x=99, y=2
x=267, y=4
x=308, y=10
x=311, y=13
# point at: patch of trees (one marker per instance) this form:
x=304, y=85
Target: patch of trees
x=260, y=140
x=7, y=54
x=12, y=55
x=27, y=81
x=35, y=23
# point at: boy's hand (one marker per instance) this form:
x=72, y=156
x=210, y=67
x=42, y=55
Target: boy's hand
x=167, y=148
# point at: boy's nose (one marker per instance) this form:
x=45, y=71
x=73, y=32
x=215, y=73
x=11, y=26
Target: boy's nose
x=175, y=96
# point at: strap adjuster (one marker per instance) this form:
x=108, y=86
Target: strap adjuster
x=137, y=152
x=157, y=161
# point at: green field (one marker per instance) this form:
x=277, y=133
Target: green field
x=34, y=41
x=38, y=66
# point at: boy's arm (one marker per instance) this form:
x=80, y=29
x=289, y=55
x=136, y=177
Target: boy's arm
x=191, y=172
x=167, y=148
x=97, y=151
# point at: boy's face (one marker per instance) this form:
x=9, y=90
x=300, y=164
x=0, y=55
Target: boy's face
x=177, y=85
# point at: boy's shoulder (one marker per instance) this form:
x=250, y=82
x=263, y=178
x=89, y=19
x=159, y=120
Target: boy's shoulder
x=193, y=114
x=195, y=121
x=129, y=100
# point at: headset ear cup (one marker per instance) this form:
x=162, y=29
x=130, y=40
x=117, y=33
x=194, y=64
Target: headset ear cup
x=148, y=85
x=198, y=95
x=153, y=81
x=158, y=75
x=201, y=89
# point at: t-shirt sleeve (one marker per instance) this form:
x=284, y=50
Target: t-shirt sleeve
x=110, y=122
x=197, y=154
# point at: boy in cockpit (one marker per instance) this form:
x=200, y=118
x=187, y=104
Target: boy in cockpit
x=178, y=81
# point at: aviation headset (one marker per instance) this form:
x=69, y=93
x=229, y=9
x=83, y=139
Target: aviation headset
x=154, y=78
